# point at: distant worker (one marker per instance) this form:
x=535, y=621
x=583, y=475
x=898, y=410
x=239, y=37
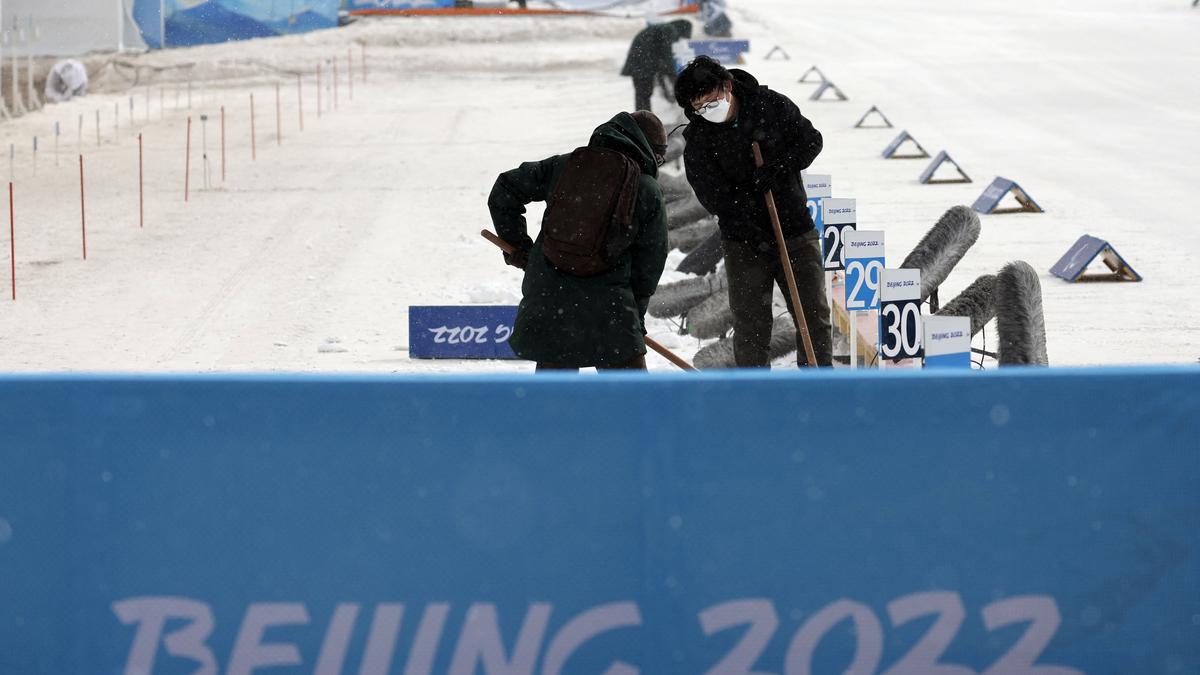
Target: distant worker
x=601, y=250
x=67, y=79
x=651, y=60
x=716, y=21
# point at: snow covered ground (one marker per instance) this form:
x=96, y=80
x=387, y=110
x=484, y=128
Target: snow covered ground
x=307, y=259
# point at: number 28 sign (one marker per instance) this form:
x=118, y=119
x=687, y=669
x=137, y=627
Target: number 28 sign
x=864, y=268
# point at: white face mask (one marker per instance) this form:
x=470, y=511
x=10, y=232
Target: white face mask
x=716, y=112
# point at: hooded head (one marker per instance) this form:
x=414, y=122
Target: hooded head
x=624, y=134
x=683, y=29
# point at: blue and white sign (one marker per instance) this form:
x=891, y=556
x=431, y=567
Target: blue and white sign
x=840, y=216
x=1081, y=254
x=1000, y=187
x=1002, y=522
x=864, y=267
x=947, y=342
x=900, y=330
x=817, y=186
x=460, y=331
x=386, y=6
x=726, y=52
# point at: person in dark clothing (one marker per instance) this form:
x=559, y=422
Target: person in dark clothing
x=727, y=111
x=716, y=21
x=566, y=321
x=650, y=59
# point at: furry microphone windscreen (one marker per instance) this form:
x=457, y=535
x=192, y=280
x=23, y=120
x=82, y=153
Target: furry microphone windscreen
x=942, y=247
x=674, y=187
x=1019, y=316
x=711, y=318
x=978, y=302
x=688, y=237
x=677, y=298
x=719, y=354
x=705, y=257
x=685, y=211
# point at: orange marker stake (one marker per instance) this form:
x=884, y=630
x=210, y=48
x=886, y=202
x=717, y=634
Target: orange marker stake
x=253, y=143
x=82, y=209
x=187, y=161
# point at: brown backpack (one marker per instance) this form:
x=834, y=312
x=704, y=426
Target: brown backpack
x=588, y=223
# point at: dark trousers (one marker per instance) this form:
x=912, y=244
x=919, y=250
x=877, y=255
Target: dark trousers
x=753, y=270
x=643, y=89
x=636, y=363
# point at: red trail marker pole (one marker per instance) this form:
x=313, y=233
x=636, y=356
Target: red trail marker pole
x=278, y=118
x=253, y=142
x=300, y=99
x=12, y=241
x=187, y=161
x=141, y=185
x=222, y=144
x=82, y=209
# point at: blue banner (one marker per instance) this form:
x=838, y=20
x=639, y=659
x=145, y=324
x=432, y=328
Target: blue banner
x=195, y=22
x=461, y=331
x=786, y=523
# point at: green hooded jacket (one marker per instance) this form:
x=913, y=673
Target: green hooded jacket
x=584, y=321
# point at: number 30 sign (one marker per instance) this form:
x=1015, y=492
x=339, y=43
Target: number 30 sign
x=900, y=314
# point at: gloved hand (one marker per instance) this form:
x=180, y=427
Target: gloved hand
x=518, y=258
x=766, y=176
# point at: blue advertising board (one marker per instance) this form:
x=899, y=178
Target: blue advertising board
x=460, y=331
x=187, y=22
x=384, y=6
x=970, y=522
x=727, y=52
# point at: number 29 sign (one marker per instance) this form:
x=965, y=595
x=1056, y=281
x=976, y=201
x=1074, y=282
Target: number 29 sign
x=864, y=267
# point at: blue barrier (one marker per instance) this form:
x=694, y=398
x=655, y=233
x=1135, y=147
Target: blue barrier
x=186, y=23
x=785, y=523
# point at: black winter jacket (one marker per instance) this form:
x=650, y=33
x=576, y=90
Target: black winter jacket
x=650, y=52
x=720, y=163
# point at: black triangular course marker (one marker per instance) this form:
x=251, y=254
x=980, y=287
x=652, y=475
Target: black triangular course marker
x=1001, y=187
x=779, y=49
x=887, y=124
x=827, y=86
x=943, y=157
x=813, y=70
x=890, y=151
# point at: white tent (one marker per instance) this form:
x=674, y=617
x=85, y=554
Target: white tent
x=68, y=27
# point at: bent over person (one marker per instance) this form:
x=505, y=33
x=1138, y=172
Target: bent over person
x=602, y=246
x=728, y=110
x=651, y=60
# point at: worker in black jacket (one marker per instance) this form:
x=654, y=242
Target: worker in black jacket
x=651, y=59
x=728, y=110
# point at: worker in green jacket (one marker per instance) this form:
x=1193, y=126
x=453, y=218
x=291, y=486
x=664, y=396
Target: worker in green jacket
x=566, y=321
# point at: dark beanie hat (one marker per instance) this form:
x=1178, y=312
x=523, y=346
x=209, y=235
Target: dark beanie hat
x=652, y=129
